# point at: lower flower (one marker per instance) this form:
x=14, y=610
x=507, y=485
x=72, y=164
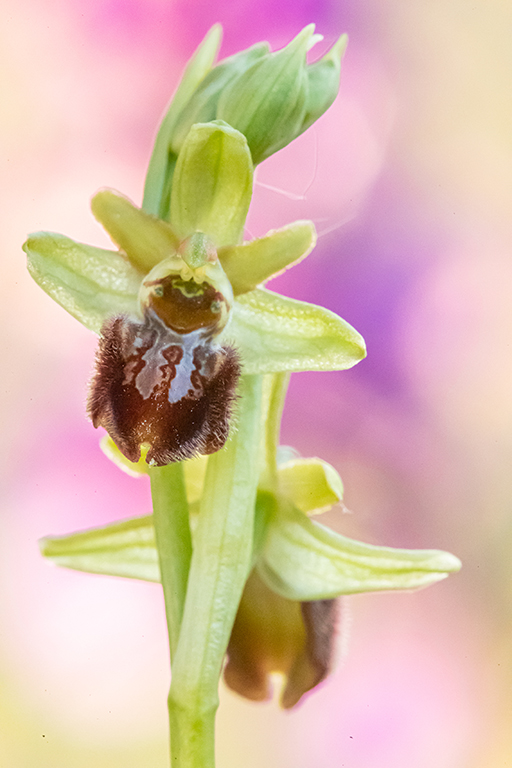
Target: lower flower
x=274, y=634
x=286, y=620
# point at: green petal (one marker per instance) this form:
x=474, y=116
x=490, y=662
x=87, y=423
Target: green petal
x=125, y=549
x=302, y=560
x=267, y=102
x=212, y=184
x=90, y=283
x=157, y=189
x=311, y=485
x=202, y=106
x=145, y=239
x=252, y=263
x=324, y=81
x=274, y=333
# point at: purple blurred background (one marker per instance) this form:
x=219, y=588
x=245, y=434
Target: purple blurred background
x=408, y=178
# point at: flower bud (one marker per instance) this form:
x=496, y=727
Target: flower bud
x=269, y=97
x=202, y=105
x=267, y=103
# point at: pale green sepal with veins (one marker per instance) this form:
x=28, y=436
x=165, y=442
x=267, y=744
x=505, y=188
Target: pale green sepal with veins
x=267, y=103
x=144, y=238
x=90, y=283
x=159, y=176
x=252, y=263
x=127, y=548
x=303, y=560
x=212, y=184
x=274, y=333
x=299, y=559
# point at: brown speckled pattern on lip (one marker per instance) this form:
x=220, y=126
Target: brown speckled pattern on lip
x=153, y=386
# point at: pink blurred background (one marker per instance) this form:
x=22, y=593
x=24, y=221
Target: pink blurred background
x=409, y=180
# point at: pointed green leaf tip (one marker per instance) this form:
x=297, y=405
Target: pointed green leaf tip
x=202, y=105
x=323, y=82
x=212, y=185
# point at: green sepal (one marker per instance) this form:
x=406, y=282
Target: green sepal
x=202, y=105
x=303, y=560
x=145, y=239
x=311, y=485
x=125, y=549
x=324, y=80
x=274, y=333
x=296, y=557
x=90, y=283
x=251, y=263
x=212, y=184
x=128, y=548
x=267, y=103
x=157, y=189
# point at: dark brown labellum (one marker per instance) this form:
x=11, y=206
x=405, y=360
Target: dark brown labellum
x=152, y=386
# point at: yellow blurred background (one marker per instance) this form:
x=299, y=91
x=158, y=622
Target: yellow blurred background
x=409, y=180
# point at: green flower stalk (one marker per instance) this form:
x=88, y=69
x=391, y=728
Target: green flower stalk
x=191, y=376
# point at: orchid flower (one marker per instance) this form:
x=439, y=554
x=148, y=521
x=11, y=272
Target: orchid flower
x=286, y=619
x=191, y=374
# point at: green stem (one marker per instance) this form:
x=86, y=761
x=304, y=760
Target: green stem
x=173, y=540
x=278, y=386
x=219, y=569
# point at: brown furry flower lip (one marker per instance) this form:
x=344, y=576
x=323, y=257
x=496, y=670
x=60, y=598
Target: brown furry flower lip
x=154, y=387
